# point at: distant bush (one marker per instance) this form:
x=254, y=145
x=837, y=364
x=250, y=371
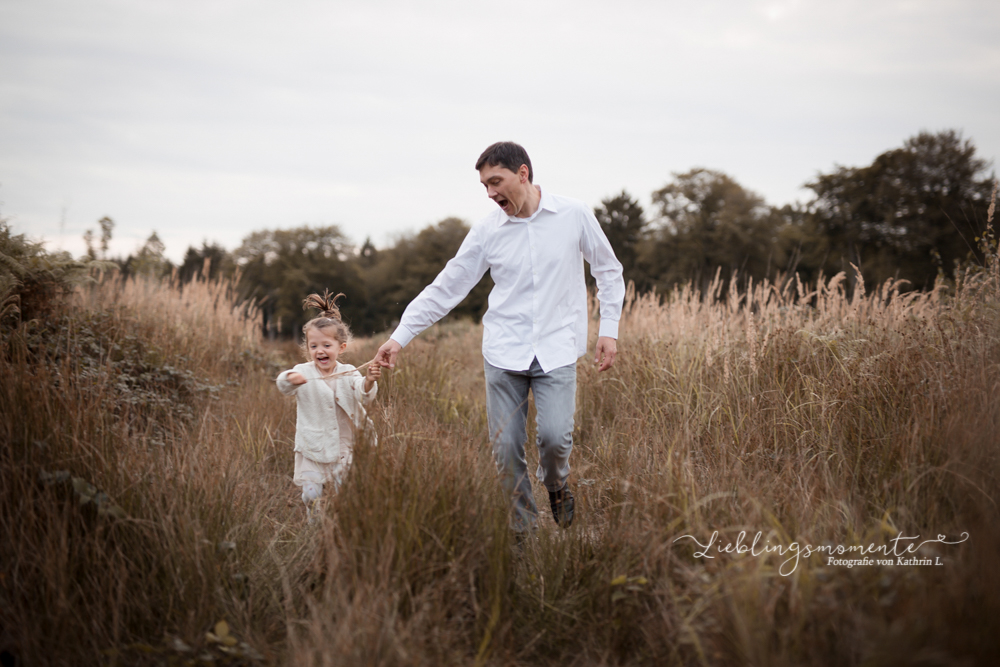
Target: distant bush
x=33, y=281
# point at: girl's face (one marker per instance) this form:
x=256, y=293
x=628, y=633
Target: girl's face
x=323, y=349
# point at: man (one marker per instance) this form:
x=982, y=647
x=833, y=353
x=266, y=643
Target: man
x=536, y=325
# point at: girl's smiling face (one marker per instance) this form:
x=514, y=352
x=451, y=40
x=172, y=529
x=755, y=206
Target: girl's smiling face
x=323, y=349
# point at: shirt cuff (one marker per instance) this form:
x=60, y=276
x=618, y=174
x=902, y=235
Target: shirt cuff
x=609, y=329
x=284, y=386
x=402, y=335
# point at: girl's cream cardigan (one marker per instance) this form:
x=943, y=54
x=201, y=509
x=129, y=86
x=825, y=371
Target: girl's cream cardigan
x=317, y=435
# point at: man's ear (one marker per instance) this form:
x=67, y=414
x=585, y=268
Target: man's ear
x=522, y=173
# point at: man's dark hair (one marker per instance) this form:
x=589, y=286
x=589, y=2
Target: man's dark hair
x=506, y=154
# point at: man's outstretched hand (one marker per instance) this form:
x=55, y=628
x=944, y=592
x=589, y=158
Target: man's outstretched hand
x=386, y=355
x=607, y=349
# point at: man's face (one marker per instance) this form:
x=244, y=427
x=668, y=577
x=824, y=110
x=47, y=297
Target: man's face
x=506, y=187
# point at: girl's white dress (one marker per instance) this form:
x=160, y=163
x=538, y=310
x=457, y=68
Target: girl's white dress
x=330, y=412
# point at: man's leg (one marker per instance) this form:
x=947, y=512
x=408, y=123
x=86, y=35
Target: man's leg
x=555, y=403
x=507, y=413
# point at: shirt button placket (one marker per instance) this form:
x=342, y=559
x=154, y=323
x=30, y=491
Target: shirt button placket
x=534, y=287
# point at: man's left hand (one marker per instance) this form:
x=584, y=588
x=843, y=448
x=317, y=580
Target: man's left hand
x=607, y=348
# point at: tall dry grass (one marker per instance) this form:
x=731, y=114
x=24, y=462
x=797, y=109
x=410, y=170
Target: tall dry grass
x=812, y=414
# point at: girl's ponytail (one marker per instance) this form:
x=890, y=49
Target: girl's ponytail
x=326, y=304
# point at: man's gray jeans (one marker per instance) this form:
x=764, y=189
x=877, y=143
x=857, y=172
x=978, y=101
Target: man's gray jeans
x=507, y=412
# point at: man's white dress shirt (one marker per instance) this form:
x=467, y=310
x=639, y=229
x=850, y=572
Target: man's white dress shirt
x=538, y=306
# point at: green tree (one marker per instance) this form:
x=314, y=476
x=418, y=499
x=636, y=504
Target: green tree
x=368, y=255
x=707, y=220
x=149, y=259
x=801, y=244
x=219, y=262
x=914, y=211
x=107, y=225
x=281, y=267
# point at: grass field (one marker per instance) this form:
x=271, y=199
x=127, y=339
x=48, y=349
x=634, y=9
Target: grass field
x=149, y=517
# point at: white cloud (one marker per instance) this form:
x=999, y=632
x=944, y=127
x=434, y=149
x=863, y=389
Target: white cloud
x=212, y=119
x=776, y=11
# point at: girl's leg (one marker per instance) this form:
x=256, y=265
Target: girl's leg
x=311, y=491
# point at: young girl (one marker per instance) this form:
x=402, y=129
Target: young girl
x=331, y=397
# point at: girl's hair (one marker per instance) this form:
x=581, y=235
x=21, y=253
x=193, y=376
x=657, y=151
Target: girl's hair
x=329, y=317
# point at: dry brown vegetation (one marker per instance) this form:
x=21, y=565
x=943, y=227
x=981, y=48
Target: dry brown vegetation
x=808, y=414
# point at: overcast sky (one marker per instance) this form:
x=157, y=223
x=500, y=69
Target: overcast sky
x=211, y=119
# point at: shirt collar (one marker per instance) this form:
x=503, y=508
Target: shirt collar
x=546, y=203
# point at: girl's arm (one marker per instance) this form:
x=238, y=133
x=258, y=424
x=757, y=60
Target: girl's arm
x=365, y=385
x=371, y=377
x=289, y=381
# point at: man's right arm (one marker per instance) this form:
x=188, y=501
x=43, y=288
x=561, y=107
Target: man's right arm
x=453, y=284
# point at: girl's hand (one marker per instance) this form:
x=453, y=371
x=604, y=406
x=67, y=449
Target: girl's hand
x=373, y=374
x=295, y=378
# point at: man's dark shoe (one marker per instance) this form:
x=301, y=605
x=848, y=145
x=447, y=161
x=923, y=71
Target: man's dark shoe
x=562, y=506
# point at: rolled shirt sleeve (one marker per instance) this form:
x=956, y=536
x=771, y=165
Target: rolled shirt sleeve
x=607, y=272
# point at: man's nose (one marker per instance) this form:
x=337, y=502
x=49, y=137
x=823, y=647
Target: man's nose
x=490, y=192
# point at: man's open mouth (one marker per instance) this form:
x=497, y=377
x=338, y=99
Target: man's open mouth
x=502, y=203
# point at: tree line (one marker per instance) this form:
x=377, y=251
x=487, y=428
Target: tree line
x=915, y=214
